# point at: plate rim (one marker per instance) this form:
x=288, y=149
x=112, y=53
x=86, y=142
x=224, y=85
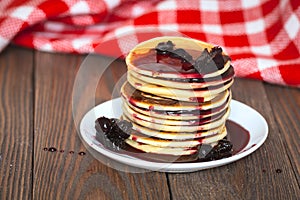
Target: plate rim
x=175, y=167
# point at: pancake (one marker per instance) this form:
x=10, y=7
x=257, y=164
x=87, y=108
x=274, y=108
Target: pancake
x=149, y=67
x=165, y=117
x=149, y=101
x=188, y=84
x=178, y=151
x=180, y=114
x=168, y=121
x=175, y=135
x=178, y=128
x=192, y=142
x=178, y=94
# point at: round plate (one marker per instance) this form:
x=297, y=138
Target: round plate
x=241, y=114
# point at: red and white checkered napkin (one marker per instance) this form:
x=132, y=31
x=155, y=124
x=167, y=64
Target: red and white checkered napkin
x=261, y=36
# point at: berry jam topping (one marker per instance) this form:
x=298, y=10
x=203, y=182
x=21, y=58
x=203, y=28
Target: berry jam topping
x=222, y=150
x=164, y=47
x=207, y=62
x=117, y=131
x=185, y=57
x=181, y=54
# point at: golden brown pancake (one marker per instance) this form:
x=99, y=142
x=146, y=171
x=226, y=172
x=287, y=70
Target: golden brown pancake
x=184, y=83
x=131, y=113
x=149, y=101
x=175, y=147
x=179, y=128
x=191, y=95
x=149, y=66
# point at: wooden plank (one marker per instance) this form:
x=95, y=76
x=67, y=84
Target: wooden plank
x=16, y=128
x=61, y=175
x=97, y=80
x=285, y=103
x=265, y=174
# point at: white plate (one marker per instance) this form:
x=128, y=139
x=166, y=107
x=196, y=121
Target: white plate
x=242, y=114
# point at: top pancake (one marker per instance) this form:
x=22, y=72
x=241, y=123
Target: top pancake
x=142, y=59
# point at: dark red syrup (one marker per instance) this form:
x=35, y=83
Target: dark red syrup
x=148, y=62
x=237, y=135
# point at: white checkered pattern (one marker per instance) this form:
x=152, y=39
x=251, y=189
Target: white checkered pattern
x=261, y=36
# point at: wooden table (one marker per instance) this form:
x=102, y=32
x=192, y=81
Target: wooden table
x=36, y=112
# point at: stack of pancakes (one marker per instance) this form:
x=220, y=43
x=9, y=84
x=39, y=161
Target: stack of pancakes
x=174, y=109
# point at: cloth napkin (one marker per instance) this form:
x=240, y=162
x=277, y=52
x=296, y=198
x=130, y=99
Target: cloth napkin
x=261, y=36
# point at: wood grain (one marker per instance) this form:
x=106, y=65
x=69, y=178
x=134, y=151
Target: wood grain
x=45, y=95
x=71, y=176
x=254, y=177
x=16, y=114
x=285, y=104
